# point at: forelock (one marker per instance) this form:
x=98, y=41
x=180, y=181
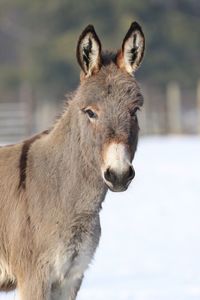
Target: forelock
x=108, y=58
x=111, y=80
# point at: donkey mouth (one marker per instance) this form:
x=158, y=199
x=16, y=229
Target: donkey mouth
x=117, y=188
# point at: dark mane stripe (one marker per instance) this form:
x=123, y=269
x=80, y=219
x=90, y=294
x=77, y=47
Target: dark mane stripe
x=24, y=158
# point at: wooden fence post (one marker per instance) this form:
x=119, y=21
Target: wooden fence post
x=173, y=97
x=198, y=107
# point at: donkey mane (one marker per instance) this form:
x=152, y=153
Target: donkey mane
x=24, y=157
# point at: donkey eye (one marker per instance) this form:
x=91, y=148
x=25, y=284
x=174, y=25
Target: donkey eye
x=91, y=114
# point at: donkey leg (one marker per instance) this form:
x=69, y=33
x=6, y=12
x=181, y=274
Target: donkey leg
x=34, y=288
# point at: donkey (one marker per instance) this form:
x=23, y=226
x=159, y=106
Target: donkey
x=53, y=184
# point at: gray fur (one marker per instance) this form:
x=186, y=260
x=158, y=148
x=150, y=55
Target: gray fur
x=49, y=215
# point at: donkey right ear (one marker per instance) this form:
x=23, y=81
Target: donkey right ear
x=132, y=52
x=88, y=51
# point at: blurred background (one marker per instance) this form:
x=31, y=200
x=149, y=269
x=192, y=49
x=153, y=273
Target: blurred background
x=150, y=237
x=38, y=64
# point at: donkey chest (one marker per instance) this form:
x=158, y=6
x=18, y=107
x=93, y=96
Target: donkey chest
x=72, y=263
x=74, y=254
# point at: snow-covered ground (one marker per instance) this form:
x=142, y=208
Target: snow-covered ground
x=150, y=245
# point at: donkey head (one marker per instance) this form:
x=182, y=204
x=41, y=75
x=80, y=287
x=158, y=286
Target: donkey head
x=108, y=99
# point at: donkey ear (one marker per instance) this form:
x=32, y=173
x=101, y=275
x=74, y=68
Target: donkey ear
x=131, y=54
x=88, y=51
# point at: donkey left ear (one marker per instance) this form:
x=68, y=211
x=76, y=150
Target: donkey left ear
x=88, y=51
x=132, y=52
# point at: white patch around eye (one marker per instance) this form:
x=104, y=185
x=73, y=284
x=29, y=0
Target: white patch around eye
x=116, y=157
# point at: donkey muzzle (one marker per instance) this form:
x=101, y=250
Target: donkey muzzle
x=118, y=182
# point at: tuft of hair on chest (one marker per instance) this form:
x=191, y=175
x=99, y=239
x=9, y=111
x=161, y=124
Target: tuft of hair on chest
x=73, y=261
x=7, y=281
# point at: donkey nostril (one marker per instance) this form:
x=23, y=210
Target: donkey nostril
x=131, y=174
x=109, y=176
x=119, y=179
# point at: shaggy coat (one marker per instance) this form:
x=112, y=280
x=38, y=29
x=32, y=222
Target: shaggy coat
x=53, y=184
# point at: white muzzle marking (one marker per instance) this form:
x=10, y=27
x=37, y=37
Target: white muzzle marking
x=116, y=158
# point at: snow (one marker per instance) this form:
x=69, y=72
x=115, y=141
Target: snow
x=150, y=244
